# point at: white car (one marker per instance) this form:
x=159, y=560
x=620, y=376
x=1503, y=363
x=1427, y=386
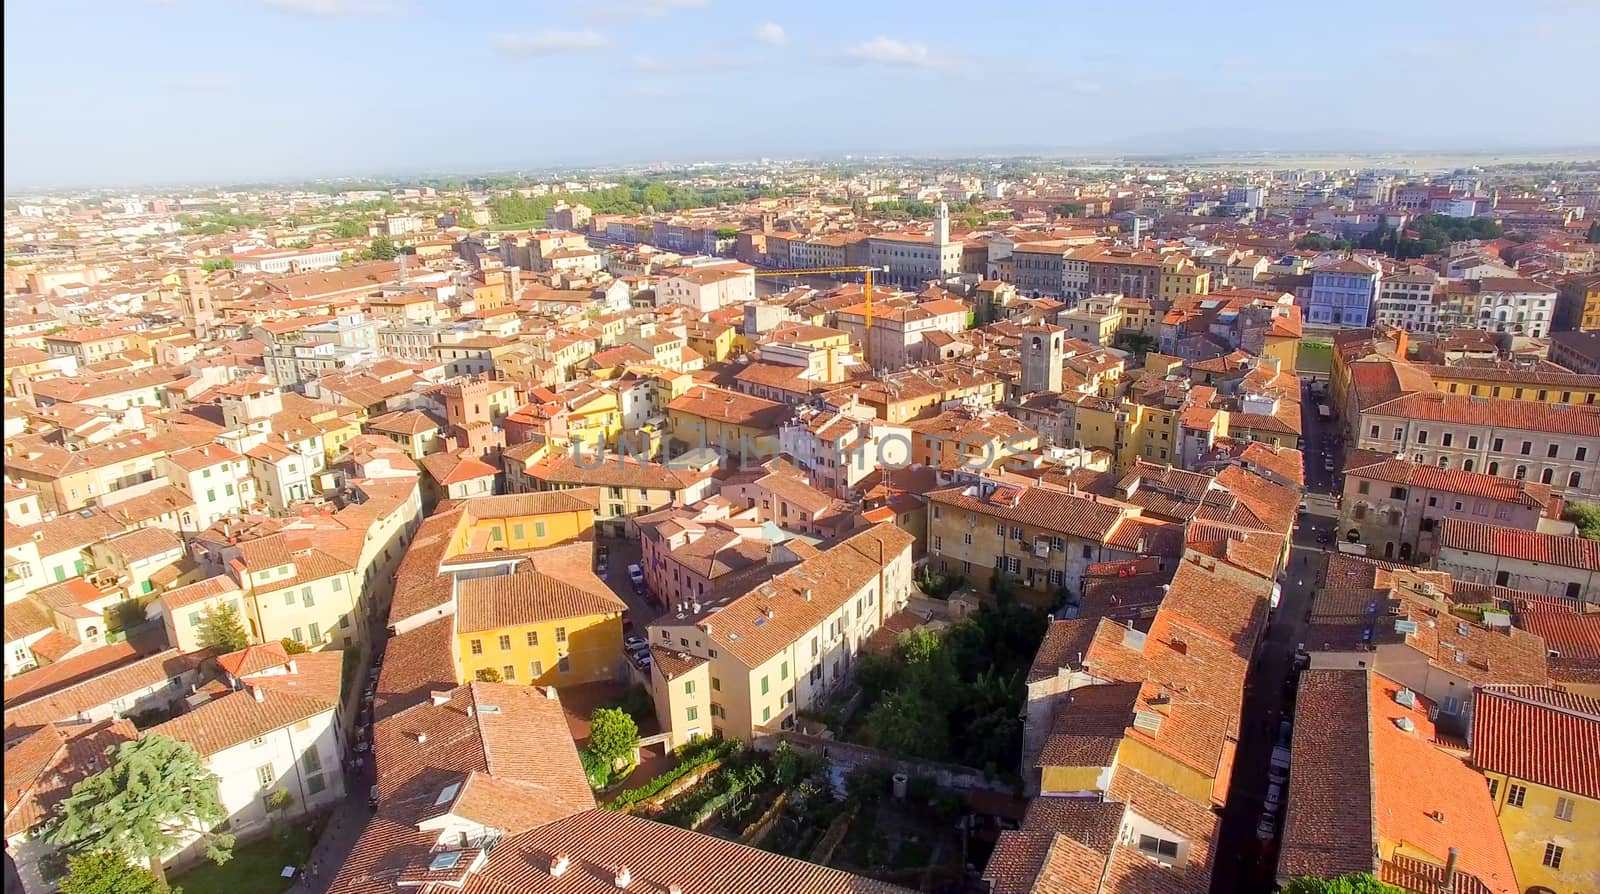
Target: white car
x=634, y=643
x=636, y=574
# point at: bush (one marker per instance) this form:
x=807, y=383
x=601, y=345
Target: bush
x=690, y=757
x=596, y=768
x=613, y=735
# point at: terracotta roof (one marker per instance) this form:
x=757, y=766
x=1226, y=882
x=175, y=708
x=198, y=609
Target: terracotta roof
x=1502, y=413
x=238, y=717
x=1540, y=735
x=449, y=468
x=416, y=663
x=731, y=406
x=1041, y=507
x=1515, y=543
x=1329, y=827
x=42, y=769
x=201, y=591
x=252, y=659
x=38, y=708
x=1383, y=467
x=487, y=603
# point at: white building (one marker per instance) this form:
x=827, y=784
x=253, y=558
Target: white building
x=708, y=288
x=1408, y=300
x=216, y=478
x=1515, y=305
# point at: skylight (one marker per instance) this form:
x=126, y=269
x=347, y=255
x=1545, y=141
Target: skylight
x=447, y=793
x=444, y=861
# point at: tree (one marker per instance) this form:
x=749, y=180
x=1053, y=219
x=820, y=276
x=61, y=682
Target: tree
x=1354, y=883
x=1586, y=516
x=613, y=736
x=99, y=872
x=489, y=675
x=382, y=249
x=222, y=629
x=1069, y=209
x=292, y=647
x=350, y=229
x=908, y=723
x=154, y=798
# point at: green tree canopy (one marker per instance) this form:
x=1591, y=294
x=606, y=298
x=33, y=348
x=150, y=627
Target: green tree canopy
x=1070, y=209
x=1354, y=883
x=488, y=675
x=99, y=872
x=382, y=249
x=1586, y=516
x=350, y=228
x=613, y=735
x=154, y=798
x=221, y=628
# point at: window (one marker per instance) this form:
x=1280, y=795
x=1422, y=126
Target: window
x=477, y=647
x=1522, y=473
x=295, y=635
x=1547, y=476
x=194, y=619
x=765, y=685
x=315, y=630
x=783, y=671
x=288, y=596
x=1552, y=855
x=561, y=634
x=1451, y=705
x=1499, y=445
x=1494, y=789
x=564, y=666
x=338, y=584
x=265, y=775
x=938, y=542
x=1422, y=436
x=1494, y=468
x=508, y=672
x=306, y=599
x=1472, y=442
x=516, y=531
x=1399, y=434
x=691, y=713
x=505, y=642
x=1448, y=437
x=1158, y=847
x=1364, y=487
x=1582, y=454
x=966, y=538
x=1553, y=451
x=533, y=637
x=1516, y=794
x=1374, y=432
x=766, y=714
x=716, y=684
x=1397, y=493
x=535, y=670
x=1564, y=809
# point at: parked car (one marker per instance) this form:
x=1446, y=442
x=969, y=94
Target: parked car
x=1266, y=828
x=634, y=643
x=1285, y=730
x=372, y=797
x=636, y=575
x=1274, y=797
x=1277, y=775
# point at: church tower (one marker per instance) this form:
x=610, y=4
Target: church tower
x=1041, y=359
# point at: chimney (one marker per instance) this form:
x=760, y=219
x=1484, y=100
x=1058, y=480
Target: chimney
x=420, y=736
x=1449, y=882
x=771, y=614
x=623, y=877
x=1181, y=647
x=558, y=864
x=438, y=698
x=808, y=594
x=294, y=666
x=550, y=693
x=259, y=693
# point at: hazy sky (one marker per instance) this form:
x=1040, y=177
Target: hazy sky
x=127, y=91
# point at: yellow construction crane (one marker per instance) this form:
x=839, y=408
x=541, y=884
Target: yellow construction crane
x=866, y=291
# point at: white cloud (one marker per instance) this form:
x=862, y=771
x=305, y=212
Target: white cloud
x=332, y=7
x=548, y=43
x=888, y=51
x=771, y=33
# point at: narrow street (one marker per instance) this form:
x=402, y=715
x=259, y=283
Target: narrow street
x=1245, y=863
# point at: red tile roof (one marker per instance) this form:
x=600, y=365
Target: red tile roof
x=1383, y=467
x=1515, y=543
x=1538, y=734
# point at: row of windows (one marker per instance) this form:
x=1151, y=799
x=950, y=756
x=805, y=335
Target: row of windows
x=508, y=672
x=1447, y=439
x=505, y=640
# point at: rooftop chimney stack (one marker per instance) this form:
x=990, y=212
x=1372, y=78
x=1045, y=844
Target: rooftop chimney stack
x=1449, y=883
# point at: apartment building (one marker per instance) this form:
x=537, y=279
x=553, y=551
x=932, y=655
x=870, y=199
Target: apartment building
x=898, y=336
x=738, y=425
x=628, y=487
x=1553, y=444
x=1393, y=506
x=44, y=767
x=529, y=626
x=296, y=590
x=838, y=450
x=1578, y=303
x=1521, y=559
x=707, y=288
x=87, y=345
x=1342, y=293
x=68, y=479
x=1106, y=270
x=216, y=478
x=1407, y=300
x=277, y=729
x=1039, y=537
x=1535, y=745
x=751, y=660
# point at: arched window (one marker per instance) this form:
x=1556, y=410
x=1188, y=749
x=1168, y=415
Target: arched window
x=1573, y=479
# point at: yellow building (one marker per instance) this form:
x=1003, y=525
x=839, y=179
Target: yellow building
x=531, y=627
x=1538, y=748
x=526, y=521
x=712, y=340
x=714, y=417
x=1516, y=384
x=1181, y=276
x=296, y=591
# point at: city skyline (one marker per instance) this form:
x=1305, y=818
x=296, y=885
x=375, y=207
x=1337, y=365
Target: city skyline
x=335, y=88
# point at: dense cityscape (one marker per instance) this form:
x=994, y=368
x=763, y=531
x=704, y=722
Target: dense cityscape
x=1048, y=523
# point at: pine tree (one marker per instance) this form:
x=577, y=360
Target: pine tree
x=221, y=628
x=155, y=797
x=99, y=872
